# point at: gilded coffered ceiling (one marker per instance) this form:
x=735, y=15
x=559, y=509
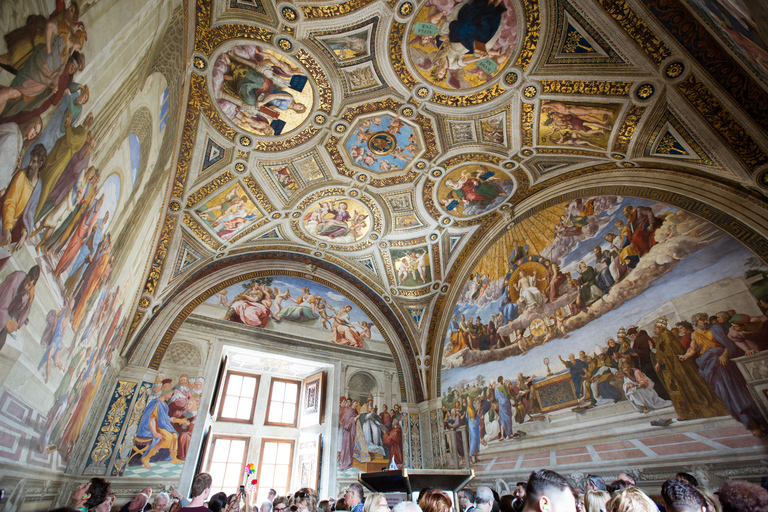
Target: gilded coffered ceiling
x=387, y=143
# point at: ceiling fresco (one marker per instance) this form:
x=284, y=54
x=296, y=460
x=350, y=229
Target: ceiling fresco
x=387, y=139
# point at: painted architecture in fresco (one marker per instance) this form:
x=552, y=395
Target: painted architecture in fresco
x=289, y=304
x=599, y=301
x=68, y=226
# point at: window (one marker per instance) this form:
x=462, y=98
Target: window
x=226, y=463
x=239, y=401
x=274, y=467
x=283, y=403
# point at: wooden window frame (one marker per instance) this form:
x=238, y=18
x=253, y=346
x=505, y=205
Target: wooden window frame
x=223, y=395
x=269, y=403
x=265, y=440
x=216, y=437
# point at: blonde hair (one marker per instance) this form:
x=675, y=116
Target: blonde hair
x=711, y=498
x=631, y=499
x=594, y=501
x=372, y=502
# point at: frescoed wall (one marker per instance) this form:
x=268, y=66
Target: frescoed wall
x=78, y=169
x=611, y=304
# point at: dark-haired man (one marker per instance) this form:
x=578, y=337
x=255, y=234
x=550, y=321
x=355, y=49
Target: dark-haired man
x=548, y=491
x=467, y=499
x=90, y=494
x=680, y=497
x=595, y=483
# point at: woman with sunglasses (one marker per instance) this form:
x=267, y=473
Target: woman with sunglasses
x=305, y=500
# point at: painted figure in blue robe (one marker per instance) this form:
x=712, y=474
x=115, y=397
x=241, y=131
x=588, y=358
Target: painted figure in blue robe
x=505, y=408
x=473, y=431
x=577, y=368
x=156, y=425
x=478, y=21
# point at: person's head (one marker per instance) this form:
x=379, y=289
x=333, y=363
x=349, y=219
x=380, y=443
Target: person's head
x=737, y=496
x=631, y=499
x=687, y=478
x=266, y=506
x=547, y=491
x=353, y=495
x=466, y=498
x=627, y=478
x=30, y=130
x=324, y=506
x=406, y=506
x=272, y=493
x=280, y=503
x=435, y=500
x=161, y=501
x=37, y=158
x=305, y=499
x=138, y=502
x=98, y=491
x=594, y=500
x=376, y=502
x=595, y=483
x=484, y=498
x=175, y=506
x=201, y=486
x=218, y=502
x=679, y=496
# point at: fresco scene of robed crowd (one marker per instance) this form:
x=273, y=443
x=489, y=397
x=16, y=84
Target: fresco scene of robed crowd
x=598, y=301
x=65, y=270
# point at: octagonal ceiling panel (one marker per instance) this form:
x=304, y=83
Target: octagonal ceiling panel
x=383, y=144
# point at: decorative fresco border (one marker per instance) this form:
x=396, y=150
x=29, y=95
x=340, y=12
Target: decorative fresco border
x=207, y=38
x=392, y=314
x=591, y=87
x=722, y=121
x=208, y=188
x=628, y=127
x=330, y=11
x=708, y=51
x=637, y=29
x=110, y=428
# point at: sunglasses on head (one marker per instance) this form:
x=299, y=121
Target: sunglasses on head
x=301, y=495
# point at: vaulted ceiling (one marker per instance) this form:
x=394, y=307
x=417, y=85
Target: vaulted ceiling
x=438, y=124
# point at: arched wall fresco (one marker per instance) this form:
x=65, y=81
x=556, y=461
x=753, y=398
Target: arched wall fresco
x=585, y=307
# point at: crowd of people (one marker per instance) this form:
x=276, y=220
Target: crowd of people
x=545, y=491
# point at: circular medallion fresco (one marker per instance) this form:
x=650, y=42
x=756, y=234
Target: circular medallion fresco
x=383, y=143
x=338, y=220
x=462, y=44
x=474, y=189
x=261, y=91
